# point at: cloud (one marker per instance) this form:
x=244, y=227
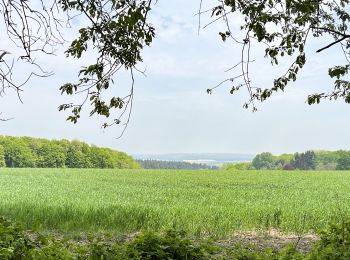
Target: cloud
x=172, y=111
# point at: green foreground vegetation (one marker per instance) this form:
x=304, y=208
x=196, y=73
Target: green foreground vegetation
x=202, y=203
x=15, y=243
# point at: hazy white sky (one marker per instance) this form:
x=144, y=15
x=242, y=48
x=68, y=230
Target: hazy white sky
x=172, y=112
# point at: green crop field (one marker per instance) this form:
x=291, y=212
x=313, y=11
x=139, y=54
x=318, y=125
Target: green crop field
x=205, y=203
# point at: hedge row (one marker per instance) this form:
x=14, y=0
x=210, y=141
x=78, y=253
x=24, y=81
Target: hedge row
x=18, y=244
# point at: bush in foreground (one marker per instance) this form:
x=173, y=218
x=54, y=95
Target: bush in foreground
x=334, y=243
x=17, y=244
x=14, y=244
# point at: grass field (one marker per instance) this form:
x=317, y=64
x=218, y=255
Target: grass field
x=213, y=203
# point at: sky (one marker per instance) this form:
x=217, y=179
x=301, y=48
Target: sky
x=172, y=112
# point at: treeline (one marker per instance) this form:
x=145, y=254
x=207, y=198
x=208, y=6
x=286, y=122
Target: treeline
x=298, y=161
x=155, y=164
x=309, y=160
x=28, y=152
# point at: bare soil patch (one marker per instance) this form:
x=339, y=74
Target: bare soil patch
x=273, y=239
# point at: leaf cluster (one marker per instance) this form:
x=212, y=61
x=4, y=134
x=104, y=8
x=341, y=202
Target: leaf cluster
x=284, y=28
x=117, y=32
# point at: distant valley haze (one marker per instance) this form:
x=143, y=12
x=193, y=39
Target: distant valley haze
x=213, y=159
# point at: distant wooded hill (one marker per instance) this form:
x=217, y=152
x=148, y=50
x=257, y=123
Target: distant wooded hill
x=28, y=152
x=157, y=164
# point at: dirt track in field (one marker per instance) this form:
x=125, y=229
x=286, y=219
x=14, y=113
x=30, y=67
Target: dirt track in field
x=273, y=239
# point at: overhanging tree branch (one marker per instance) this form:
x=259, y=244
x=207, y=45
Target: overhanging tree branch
x=284, y=27
x=333, y=43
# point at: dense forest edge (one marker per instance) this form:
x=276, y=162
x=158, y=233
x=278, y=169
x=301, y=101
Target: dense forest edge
x=174, y=165
x=29, y=152
x=309, y=160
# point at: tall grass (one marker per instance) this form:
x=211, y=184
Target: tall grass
x=200, y=202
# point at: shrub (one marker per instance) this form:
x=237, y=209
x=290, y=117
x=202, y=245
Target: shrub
x=14, y=244
x=243, y=166
x=334, y=243
x=252, y=252
x=288, y=167
x=264, y=161
x=171, y=245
